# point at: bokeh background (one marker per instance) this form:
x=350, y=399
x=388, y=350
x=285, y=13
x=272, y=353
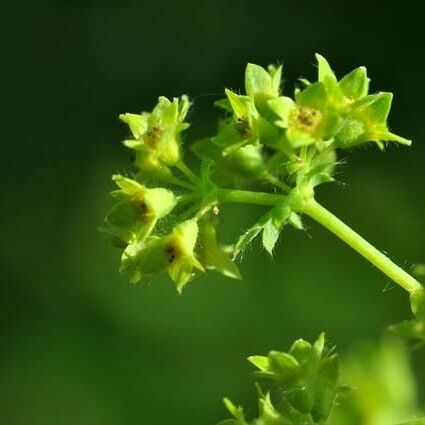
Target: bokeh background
x=80, y=346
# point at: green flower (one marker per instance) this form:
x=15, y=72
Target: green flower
x=331, y=109
x=138, y=209
x=173, y=253
x=157, y=135
x=306, y=121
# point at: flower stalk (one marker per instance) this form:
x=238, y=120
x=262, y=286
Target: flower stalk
x=362, y=246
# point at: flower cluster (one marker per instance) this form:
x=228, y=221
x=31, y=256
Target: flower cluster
x=269, y=149
x=306, y=386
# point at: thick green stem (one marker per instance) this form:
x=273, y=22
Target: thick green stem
x=247, y=197
x=364, y=248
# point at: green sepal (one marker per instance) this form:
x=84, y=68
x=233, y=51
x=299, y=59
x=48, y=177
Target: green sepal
x=242, y=105
x=301, y=393
x=351, y=131
x=262, y=85
x=275, y=72
x=355, y=84
x=211, y=255
x=269, y=415
x=129, y=186
x=282, y=107
x=326, y=387
x=137, y=123
x=325, y=72
x=314, y=96
x=284, y=367
x=248, y=161
x=236, y=412
x=258, y=81
x=335, y=96
x=144, y=259
x=366, y=122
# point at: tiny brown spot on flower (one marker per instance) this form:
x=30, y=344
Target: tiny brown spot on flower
x=142, y=210
x=170, y=250
x=306, y=119
x=153, y=136
x=242, y=128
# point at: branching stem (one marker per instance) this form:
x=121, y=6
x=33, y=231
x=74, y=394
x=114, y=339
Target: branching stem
x=192, y=177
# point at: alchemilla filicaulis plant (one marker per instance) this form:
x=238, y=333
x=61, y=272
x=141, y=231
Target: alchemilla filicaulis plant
x=270, y=150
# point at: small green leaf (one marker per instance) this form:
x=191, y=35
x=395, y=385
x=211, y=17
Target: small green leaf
x=270, y=236
x=246, y=238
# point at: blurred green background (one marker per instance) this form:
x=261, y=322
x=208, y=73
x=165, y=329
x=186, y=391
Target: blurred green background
x=78, y=344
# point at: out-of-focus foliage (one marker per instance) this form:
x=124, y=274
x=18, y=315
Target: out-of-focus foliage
x=383, y=386
x=379, y=389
